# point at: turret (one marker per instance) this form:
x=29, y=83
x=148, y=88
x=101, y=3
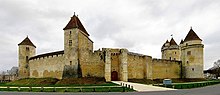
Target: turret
x=76, y=47
x=170, y=50
x=192, y=55
x=26, y=50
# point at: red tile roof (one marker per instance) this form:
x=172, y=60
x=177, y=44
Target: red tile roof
x=27, y=41
x=191, y=36
x=75, y=23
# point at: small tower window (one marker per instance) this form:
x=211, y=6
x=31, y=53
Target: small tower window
x=174, y=52
x=26, y=59
x=70, y=62
x=70, y=42
x=170, y=58
x=186, y=44
x=70, y=32
x=192, y=69
x=187, y=62
x=27, y=49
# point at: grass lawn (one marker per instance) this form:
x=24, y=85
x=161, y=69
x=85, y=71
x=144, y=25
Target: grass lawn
x=64, y=85
x=179, y=83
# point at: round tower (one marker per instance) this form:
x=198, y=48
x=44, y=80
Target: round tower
x=26, y=50
x=192, y=56
x=170, y=50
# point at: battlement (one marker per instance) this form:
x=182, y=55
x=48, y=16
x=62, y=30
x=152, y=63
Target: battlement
x=155, y=60
x=136, y=54
x=48, y=55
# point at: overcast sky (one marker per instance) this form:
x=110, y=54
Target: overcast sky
x=141, y=26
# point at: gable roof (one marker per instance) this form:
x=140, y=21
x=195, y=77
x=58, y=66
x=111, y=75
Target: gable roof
x=27, y=41
x=75, y=23
x=172, y=42
x=191, y=36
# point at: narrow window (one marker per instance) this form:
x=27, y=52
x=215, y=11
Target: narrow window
x=192, y=69
x=70, y=32
x=186, y=44
x=70, y=42
x=175, y=52
x=187, y=62
x=70, y=62
x=27, y=49
x=170, y=58
x=26, y=59
x=174, y=58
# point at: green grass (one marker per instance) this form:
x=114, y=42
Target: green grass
x=159, y=81
x=69, y=85
x=48, y=82
x=189, y=85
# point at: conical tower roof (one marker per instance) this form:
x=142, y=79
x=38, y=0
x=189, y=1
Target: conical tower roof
x=172, y=42
x=191, y=36
x=27, y=41
x=75, y=23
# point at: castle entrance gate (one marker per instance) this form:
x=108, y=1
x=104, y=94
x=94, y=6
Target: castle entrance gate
x=114, y=76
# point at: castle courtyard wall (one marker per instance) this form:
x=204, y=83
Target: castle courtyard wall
x=49, y=66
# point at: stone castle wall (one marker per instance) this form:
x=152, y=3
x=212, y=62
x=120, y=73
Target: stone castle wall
x=136, y=66
x=95, y=67
x=49, y=66
x=162, y=69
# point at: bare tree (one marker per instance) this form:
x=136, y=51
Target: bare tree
x=3, y=75
x=217, y=68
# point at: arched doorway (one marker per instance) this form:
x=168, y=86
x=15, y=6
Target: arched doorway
x=114, y=76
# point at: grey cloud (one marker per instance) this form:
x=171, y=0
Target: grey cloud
x=140, y=25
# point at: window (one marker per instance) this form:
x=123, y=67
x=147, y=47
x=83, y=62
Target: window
x=70, y=62
x=175, y=52
x=174, y=58
x=188, y=52
x=70, y=32
x=170, y=58
x=70, y=42
x=186, y=44
x=187, y=62
x=192, y=69
x=27, y=49
x=26, y=59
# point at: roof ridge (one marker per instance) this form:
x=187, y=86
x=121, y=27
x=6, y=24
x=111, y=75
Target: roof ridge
x=27, y=41
x=75, y=23
x=191, y=36
x=173, y=42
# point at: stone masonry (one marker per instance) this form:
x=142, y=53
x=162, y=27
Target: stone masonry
x=78, y=59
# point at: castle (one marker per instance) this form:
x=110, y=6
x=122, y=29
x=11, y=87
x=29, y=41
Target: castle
x=78, y=59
